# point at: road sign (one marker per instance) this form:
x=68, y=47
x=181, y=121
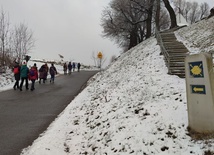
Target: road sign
x=100, y=55
x=196, y=69
x=198, y=89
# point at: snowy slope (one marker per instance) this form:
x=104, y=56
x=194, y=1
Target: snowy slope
x=199, y=37
x=134, y=107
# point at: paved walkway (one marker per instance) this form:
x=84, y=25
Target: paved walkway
x=24, y=115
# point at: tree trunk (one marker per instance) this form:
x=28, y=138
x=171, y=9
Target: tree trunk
x=171, y=14
x=157, y=18
x=149, y=22
x=133, y=38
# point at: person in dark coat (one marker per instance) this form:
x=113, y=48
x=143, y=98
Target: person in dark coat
x=42, y=73
x=16, y=71
x=33, y=76
x=52, y=72
x=69, y=68
x=65, y=68
x=73, y=66
x=24, y=76
x=78, y=66
x=46, y=71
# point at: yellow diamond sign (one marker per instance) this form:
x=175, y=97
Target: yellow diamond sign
x=100, y=55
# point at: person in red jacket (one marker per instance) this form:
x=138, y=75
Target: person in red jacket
x=16, y=71
x=33, y=76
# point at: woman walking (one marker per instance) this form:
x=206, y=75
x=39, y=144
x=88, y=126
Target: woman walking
x=16, y=71
x=33, y=76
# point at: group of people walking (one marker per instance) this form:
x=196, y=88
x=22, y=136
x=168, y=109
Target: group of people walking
x=71, y=66
x=24, y=74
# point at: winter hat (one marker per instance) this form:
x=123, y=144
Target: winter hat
x=34, y=64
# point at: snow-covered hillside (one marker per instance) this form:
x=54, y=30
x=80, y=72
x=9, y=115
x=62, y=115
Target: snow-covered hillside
x=199, y=37
x=134, y=107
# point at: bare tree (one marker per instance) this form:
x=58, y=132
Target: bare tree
x=4, y=34
x=191, y=10
x=171, y=14
x=186, y=10
x=164, y=21
x=128, y=21
x=179, y=6
x=23, y=41
x=194, y=13
x=94, y=58
x=204, y=8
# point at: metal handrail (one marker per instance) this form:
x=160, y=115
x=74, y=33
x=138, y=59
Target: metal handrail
x=163, y=49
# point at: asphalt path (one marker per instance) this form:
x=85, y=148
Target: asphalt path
x=24, y=115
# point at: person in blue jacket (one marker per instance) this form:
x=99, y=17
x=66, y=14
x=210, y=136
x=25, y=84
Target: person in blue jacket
x=24, y=75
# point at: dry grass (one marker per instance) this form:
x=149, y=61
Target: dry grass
x=199, y=136
x=208, y=152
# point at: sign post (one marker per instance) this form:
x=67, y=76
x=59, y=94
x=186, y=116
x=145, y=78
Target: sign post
x=200, y=92
x=100, y=56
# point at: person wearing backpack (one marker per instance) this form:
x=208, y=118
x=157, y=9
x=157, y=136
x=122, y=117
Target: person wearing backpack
x=16, y=71
x=52, y=72
x=33, y=76
x=24, y=75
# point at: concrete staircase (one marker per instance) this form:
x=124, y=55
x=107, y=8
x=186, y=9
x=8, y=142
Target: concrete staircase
x=174, y=53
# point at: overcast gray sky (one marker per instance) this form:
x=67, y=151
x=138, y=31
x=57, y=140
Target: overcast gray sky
x=67, y=27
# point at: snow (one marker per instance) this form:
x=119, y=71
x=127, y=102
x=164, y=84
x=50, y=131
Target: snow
x=133, y=107
x=181, y=21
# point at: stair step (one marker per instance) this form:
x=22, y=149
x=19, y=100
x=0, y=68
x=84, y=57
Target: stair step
x=173, y=43
x=174, y=48
x=167, y=36
x=176, y=57
x=168, y=39
x=177, y=67
x=177, y=63
x=176, y=60
x=178, y=53
x=178, y=50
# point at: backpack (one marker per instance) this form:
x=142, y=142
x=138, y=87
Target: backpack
x=41, y=69
x=16, y=70
x=32, y=73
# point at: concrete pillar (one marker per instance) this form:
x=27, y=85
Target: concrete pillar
x=199, y=89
